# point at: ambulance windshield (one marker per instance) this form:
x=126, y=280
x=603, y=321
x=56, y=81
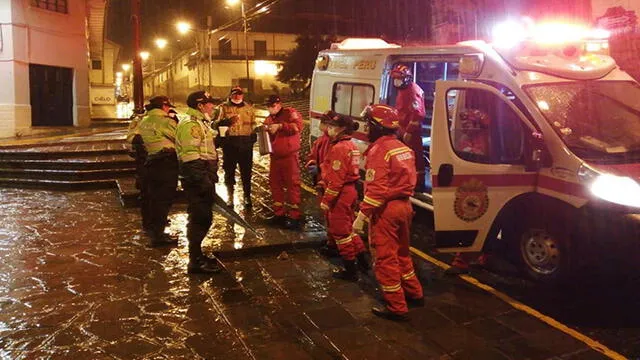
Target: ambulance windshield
x=598, y=120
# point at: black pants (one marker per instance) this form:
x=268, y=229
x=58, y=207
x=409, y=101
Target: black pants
x=238, y=151
x=198, y=180
x=139, y=153
x=160, y=190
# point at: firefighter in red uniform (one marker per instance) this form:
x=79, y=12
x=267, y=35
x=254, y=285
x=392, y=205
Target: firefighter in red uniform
x=340, y=172
x=389, y=182
x=410, y=106
x=318, y=153
x=284, y=126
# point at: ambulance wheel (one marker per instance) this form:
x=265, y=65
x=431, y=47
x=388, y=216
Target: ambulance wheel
x=542, y=252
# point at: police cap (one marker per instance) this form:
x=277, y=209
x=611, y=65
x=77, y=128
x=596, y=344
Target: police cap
x=199, y=97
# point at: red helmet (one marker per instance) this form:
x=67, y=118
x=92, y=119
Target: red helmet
x=403, y=73
x=382, y=115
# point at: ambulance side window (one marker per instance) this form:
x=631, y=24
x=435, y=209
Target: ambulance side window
x=350, y=99
x=484, y=128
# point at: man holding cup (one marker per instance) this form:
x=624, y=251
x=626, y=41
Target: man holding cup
x=236, y=122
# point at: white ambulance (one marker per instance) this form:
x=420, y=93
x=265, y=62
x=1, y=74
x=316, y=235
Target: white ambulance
x=560, y=169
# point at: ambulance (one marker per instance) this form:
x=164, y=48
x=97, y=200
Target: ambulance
x=559, y=175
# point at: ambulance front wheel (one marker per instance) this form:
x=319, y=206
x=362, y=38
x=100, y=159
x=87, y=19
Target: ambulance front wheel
x=542, y=252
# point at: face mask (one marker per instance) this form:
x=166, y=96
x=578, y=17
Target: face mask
x=397, y=82
x=273, y=110
x=236, y=101
x=207, y=116
x=333, y=132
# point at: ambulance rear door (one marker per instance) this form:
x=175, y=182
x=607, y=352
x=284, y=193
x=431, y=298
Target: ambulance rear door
x=479, y=142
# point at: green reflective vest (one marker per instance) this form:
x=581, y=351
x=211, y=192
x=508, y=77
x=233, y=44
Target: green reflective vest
x=158, y=131
x=194, y=138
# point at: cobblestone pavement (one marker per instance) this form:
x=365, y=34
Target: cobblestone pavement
x=79, y=281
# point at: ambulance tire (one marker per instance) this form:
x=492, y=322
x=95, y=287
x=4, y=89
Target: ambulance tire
x=540, y=248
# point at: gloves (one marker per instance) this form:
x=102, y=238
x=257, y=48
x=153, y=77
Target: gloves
x=358, y=224
x=273, y=128
x=406, y=138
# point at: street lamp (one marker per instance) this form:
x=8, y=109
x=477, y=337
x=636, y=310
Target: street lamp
x=162, y=44
x=245, y=29
x=126, y=67
x=144, y=55
x=183, y=27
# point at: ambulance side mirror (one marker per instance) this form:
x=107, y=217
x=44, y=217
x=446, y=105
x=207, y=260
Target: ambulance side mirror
x=536, y=156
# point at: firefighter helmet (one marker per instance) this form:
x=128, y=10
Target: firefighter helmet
x=382, y=115
x=401, y=72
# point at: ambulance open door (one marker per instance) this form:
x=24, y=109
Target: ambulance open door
x=479, y=139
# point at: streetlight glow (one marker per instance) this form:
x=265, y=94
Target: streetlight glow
x=183, y=27
x=233, y=2
x=126, y=67
x=161, y=43
x=144, y=55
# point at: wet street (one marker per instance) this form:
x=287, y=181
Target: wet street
x=78, y=281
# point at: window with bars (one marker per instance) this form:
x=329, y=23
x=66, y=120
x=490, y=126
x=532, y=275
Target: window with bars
x=52, y=5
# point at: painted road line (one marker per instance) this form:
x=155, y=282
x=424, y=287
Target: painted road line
x=595, y=345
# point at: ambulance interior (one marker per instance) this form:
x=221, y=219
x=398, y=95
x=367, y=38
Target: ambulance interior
x=425, y=74
x=483, y=128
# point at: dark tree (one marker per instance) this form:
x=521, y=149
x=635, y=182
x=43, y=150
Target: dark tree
x=298, y=65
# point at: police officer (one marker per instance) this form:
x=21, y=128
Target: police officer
x=389, y=181
x=158, y=132
x=238, y=117
x=198, y=169
x=410, y=106
x=285, y=126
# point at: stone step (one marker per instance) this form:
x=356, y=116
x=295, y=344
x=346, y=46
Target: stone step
x=99, y=162
x=116, y=123
x=57, y=184
x=65, y=174
x=61, y=151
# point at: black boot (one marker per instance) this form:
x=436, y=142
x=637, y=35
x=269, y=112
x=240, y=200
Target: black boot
x=159, y=239
x=385, y=313
x=363, y=263
x=203, y=265
x=247, y=202
x=329, y=251
x=350, y=272
x=276, y=221
x=413, y=303
x=293, y=224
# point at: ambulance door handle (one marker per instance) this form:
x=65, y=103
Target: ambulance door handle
x=445, y=175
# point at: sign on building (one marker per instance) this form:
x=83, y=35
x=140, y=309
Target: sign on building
x=103, y=95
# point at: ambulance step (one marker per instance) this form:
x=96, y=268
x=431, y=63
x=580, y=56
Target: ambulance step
x=422, y=200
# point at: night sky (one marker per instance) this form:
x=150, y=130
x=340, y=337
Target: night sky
x=402, y=21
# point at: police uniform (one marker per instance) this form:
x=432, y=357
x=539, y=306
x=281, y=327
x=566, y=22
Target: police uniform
x=237, y=145
x=389, y=182
x=198, y=170
x=158, y=131
x=284, y=172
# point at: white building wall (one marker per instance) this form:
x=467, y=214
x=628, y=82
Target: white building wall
x=37, y=36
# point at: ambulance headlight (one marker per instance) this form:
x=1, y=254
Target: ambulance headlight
x=619, y=190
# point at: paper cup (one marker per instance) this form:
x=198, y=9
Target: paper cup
x=223, y=130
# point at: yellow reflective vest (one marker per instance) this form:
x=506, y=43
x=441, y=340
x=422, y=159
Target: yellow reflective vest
x=158, y=132
x=194, y=138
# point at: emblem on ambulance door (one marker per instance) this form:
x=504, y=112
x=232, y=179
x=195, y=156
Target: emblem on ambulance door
x=472, y=200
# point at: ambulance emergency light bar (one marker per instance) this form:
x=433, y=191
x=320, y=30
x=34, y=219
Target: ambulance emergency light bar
x=362, y=43
x=511, y=33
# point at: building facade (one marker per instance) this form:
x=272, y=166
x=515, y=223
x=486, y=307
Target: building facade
x=189, y=70
x=44, y=63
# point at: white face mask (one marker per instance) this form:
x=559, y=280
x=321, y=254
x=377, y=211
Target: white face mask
x=236, y=101
x=397, y=82
x=207, y=116
x=332, y=132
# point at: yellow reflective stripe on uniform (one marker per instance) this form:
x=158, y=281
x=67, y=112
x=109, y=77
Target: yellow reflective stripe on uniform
x=346, y=240
x=277, y=203
x=408, y=275
x=394, y=152
x=331, y=192
x=189, y=157
x=372, y=202
x=292, y=206
x=391, y=288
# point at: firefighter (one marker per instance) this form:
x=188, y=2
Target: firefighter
x=238, y=119
x=473, y=139
x=198, y=170
x=158, y=132
x=340, y=171
x=410, y=106
x=318, y=153
x=389, y=182
x=285, y=126
x=139, y=154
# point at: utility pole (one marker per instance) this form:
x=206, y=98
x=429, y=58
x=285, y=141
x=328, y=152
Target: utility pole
x=138, y=96
x=209, y=26
x=246, y=42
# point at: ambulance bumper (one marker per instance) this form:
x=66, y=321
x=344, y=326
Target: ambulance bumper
x=608, y=230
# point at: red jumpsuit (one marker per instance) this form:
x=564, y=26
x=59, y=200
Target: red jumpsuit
x=389, y=181
x=410, y=106
x=284, y=172
x=318, y=153
x=340, y=172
